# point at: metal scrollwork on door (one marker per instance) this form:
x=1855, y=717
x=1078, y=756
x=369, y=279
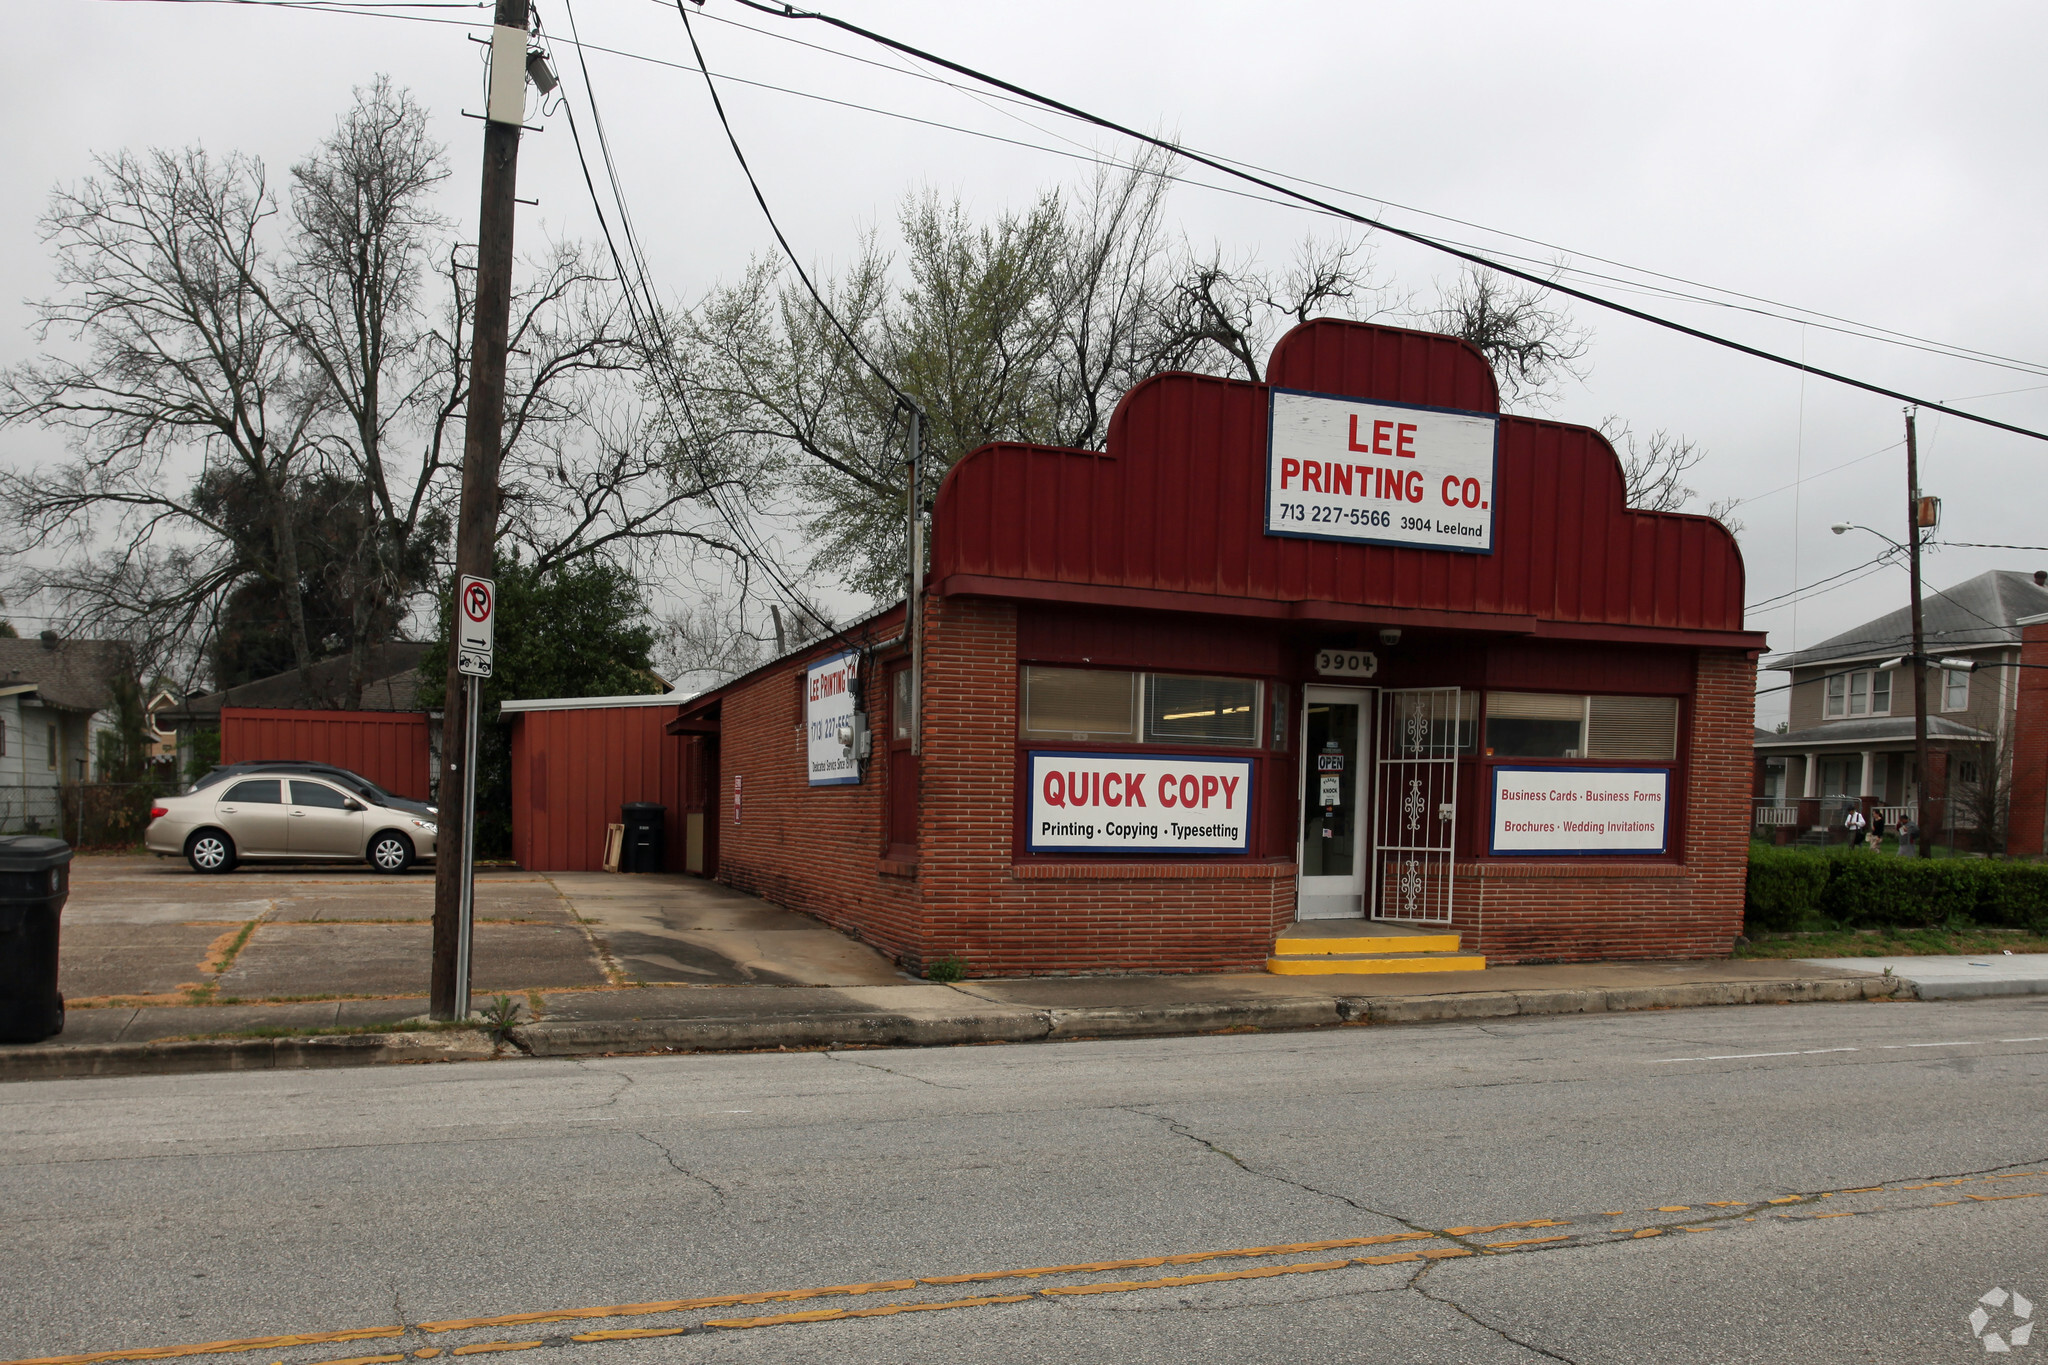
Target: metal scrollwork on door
x=1420, y=731
x=1411, y=885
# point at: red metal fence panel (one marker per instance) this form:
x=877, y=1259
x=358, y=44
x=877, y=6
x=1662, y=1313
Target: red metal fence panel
x=391, y=748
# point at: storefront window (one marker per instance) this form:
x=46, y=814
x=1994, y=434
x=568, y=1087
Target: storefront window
x=1545, y=725
x=1097, y=705
x=1197, y=710
x=1632, y=727
x=1534, y=725
x=1080, y=703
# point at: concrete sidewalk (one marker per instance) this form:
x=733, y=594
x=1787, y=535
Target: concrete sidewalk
x=1955, y=978
x=313, y=966
x=155, y=1039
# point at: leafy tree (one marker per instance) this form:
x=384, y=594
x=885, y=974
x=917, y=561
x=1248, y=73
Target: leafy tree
x=575, y=629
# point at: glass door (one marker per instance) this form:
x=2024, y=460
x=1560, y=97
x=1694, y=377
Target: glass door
x=1331, y=880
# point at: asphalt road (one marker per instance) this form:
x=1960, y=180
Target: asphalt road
x=1633, y=1159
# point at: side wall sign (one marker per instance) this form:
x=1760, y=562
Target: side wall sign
x=1380, y=473
x=830, y=688
x=1133, y=803
x=1581, y=810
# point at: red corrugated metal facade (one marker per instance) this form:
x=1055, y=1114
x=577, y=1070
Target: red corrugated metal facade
x=391, y=748
x=1171, y=516
x=571, y=770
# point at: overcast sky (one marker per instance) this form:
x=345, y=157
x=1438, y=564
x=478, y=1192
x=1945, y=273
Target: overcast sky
x=1878, y=162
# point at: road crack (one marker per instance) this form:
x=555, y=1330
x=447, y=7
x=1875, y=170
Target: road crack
x=679, y=1168
x=875, y=1066
x=1415, y=1283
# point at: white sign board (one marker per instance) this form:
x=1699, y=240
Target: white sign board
x=1581, y=810
x=1346, y=663
x=830, y=690
x=1380, y=473
x=1139, y=803
x=476, y=625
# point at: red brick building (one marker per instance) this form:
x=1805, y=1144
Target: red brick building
x=1346, y=645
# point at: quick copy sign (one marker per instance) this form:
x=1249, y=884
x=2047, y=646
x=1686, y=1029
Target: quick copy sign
x=829, y=691
x=1130, y=803
x=1581, y=810
x=1380, y=473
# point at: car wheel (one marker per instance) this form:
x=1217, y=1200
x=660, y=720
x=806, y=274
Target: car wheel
x=390, y=852
x=210, y=850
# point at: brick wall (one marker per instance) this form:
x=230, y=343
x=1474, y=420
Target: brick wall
x=814, y=849
x=819, y=849
x=1579, y=910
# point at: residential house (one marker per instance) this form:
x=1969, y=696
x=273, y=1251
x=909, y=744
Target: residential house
x=56, y=699
x=1850, y=737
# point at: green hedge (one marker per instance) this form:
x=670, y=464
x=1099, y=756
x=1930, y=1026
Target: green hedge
x=1785, y=889
x=1795, y=890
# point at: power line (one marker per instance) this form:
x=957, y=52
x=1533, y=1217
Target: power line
x=1979, y=545
x=1780, y=599
x=1847, y=327
x=1407, y=234
x=637, y=283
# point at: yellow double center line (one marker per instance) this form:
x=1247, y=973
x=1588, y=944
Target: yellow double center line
x=1457, y=1235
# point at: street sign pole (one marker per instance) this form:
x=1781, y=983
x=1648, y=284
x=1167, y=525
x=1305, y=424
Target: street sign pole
x=472, y=688
x=473, y=640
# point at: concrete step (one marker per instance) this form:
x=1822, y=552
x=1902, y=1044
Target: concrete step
x=1312, y=938
x=1371, y=964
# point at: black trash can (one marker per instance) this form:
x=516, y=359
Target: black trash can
x=643, y=821
x=35, y=879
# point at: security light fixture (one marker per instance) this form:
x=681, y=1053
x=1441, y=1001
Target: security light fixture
x=1391, y=636
x=1842, y=528
x=542, y=75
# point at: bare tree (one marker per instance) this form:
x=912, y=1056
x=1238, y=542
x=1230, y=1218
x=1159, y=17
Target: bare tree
x=1653, y=471
x=182, y=364
x=1222, y=318
x=1531, y=341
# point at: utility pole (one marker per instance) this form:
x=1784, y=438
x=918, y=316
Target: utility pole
x=1924, y=817
x=476, y=521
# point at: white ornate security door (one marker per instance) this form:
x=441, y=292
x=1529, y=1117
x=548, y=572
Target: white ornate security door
x=1415, y=804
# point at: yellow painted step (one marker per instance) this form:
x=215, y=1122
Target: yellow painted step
x=1368, y=966
x=1294, y=944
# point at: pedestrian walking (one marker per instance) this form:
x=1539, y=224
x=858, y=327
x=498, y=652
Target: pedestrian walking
x=1909, y=838
x=1877, y=829
x=1856, y=825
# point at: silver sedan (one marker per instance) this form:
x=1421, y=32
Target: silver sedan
x=302, y=819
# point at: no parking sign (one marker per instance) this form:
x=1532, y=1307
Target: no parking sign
x=476, y=625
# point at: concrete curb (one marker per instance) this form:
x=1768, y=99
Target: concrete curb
x=1979, y=990
x=240, y=1054
x=916, y=1028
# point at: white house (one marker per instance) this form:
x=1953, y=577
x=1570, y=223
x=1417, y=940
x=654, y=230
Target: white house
x=56, y=698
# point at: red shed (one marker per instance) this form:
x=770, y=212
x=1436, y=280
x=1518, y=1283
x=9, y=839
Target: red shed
x=575, y=761
x=1347, y=659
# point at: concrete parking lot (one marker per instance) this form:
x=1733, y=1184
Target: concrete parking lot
x=342, y=945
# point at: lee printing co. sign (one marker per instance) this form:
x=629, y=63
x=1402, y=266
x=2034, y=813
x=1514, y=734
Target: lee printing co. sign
x=829, y=692
x=1124, y=803
x=1380, y=473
